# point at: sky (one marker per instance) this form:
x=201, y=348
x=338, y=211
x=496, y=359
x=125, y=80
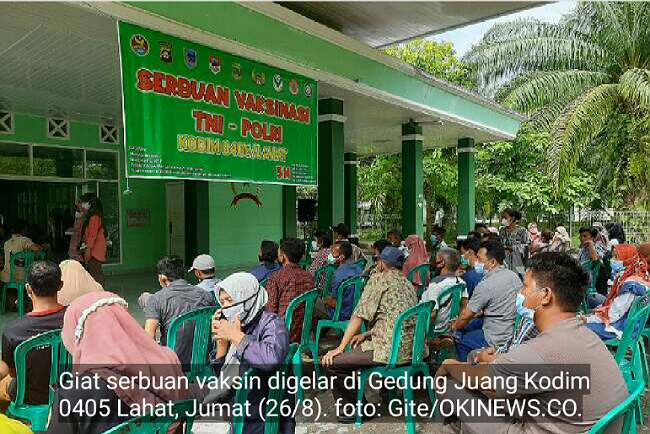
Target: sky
x=467, y=36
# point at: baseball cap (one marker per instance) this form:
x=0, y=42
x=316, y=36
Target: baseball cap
x=393, y=256
x=202, y=262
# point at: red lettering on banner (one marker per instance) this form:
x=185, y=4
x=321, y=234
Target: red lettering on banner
x=261, y=131
x=145, y=80
x=208, y=122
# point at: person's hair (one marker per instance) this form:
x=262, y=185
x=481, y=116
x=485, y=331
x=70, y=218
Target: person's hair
x=326, y=238
x=471, y=243
x=293, y=248
x=475, y=234
x=516, y=215
x=616, y=230
x=563, y=274
x=490, y=236
x=438, y=230
x=171, y=267
x=450, y=257
x=380, y=245
x=591, y=230
x=345, y=248
x=44, y=277
x=342, y=230
x=95, y=209
x=19, y=227
x=494, y=250
x=547, y=235
x=395, y=232
x=269, y=251
x=478, y=226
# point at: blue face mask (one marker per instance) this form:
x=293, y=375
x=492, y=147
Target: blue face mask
x=617, y=266
x=523, y=311
x=331, y=259
x=479, y=267
x=434, y=240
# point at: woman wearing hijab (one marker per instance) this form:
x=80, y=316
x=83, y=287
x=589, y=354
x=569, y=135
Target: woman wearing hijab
x=631, y=281
x=247, y=336
x=107, y=344
x=561, y=240
x=417, y=256
x=76, y=282
x=534, y=235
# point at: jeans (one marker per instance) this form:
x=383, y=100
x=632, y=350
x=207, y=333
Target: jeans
x=468, y=341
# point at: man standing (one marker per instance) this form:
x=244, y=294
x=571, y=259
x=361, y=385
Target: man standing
x=342, y=256
x=493, y=299
x=204, y=269
x=43, y=284
x=174, y=299
x=342, y=234
x=288, y=283
x=387, y=294
x=554, y=287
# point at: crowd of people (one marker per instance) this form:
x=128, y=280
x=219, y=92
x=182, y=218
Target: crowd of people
x=506, y=274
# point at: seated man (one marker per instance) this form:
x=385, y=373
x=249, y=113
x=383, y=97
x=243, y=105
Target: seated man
x=174, y=299
x=16, y=244
x=288, y=283
x=472, y=276
x=342, y=233
x=387, y=294
x=554, y=287
x=493, y=299
x=43, y=283
x=591, y=251
x=377, y=247
x=447, y=262
x=341, y=256
x=268, y=257
x=203, y=268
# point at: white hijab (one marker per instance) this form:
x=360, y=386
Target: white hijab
x=244, y=287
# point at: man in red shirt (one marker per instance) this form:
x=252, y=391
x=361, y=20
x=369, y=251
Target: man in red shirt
x=288, y=283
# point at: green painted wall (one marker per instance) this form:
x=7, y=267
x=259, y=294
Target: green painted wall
x=236, y=232
x=141, y=246
x=238, y=23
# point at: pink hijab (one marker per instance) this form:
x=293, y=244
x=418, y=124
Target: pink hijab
x=76, y=282
x=105, y=339
x=417, y=256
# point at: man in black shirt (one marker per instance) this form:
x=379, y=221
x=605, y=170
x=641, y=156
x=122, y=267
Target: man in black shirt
x=43, y=283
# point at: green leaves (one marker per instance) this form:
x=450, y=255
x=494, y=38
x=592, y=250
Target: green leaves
x=635, y=86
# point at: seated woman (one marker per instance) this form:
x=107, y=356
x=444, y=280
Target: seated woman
x=76, y=282
x=107, y=344
x=417, y=255
x=632, y=280
x=247, y=336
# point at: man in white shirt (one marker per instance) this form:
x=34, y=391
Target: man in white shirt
x=203, y=268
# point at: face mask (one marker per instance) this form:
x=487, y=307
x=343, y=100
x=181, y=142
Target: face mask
x=434, y=239
x=523, y=311
x=617, y=266
x=464, y=261
x=331, y=259
x=230, y=312
x=479, y=267
x=505, y=222
x=78, y=214
x=85, y=205
x=314, y=245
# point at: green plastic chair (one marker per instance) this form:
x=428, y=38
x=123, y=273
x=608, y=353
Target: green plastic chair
x=60, y=361
x=271, y=423
x=264, y=281
x=19, y=285
x=423, y=271
x=422, y=314
x=335, y=323
x=361, y=263
x=453, y=296
x=306, y=341
x=181, y=412
x=328, y=270
x=202, y=319
x=625, y=409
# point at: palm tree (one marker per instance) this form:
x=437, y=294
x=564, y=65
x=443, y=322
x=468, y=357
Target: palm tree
x=571, y=76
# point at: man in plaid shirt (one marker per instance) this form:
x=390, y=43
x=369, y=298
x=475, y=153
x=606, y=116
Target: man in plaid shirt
x=288, y=283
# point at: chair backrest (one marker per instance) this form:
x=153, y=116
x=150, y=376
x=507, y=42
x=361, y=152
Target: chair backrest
x=182, y=411
x=358, y=282
x=636, y=319
x=625, y=409
x=201, y=318
x=308, y=299
x=449, y=296
x=593, y=268
x=60, y=361
x=361, y=263
x=421, y=270
x=328, y=270
x=27, y=257
x=263, y=281
x=422, y=314
x=275, y=396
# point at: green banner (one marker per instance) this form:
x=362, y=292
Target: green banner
x=194, y=112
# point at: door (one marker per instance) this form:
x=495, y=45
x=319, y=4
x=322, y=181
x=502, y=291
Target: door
x=176, y=219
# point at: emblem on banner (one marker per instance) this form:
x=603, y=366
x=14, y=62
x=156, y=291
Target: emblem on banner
x=308, y=90
x=139, y=45
x=236, y=71
x=258, y=77
x=190, y=57
x=215, y=64
x=166, y=52
x=278, y=84
x=294, y=87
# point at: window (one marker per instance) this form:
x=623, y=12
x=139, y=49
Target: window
x=58, y=162
x=14, y=159
x=101, y=165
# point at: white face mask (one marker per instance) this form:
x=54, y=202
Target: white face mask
x=78, y=214
x=85, y=205
x=231, y=312
x=314, y=245
x=505, y=222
